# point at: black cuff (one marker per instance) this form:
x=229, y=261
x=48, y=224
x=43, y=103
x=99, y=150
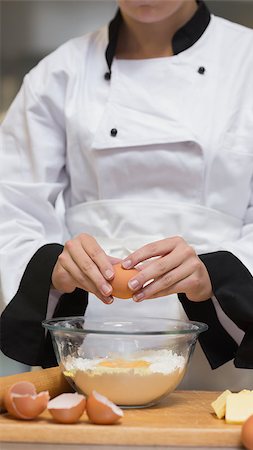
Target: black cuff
x=244, y=356
x=216, y=343
x=233, y=287
x=22, y=335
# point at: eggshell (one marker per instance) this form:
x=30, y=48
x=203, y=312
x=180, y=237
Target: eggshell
x=120, y=288
x=102, y=411
x=22, y=401
x=247, y=433
x=67, y=408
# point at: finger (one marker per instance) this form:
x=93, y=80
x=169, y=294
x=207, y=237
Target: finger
x=143, y=265
x=106, y=300
x=62, y=281
x=97, y=254
x=114, y=260
x=156, y=268
x=152, y=250
x=187, y=286
x=87, y=268
x=166, y=283
x=73, y=271
x=73, y=274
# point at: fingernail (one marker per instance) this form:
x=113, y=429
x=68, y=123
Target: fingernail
x=138, y=297
x=106, y=289
x=126, y=264
x=109, y=300
x=109, y=273
x=133, y=284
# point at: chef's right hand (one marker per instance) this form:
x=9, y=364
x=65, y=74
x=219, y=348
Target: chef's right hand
x=84, y=264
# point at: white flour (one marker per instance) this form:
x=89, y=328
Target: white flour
x=139, y=380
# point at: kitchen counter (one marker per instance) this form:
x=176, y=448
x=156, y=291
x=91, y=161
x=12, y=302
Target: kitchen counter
x=185, y=419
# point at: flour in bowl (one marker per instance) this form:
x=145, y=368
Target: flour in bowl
x=137, y=380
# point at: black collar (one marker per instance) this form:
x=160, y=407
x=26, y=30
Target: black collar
x=184, y=38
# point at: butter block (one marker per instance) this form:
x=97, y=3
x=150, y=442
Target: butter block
x=219, y=405
x=239, y=407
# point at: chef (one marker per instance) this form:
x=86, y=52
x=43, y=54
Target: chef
x=134, y=143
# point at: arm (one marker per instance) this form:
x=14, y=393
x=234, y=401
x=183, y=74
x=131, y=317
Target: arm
x=231, y=273
x=233, y=290
x=32, y=182
x=190, y=276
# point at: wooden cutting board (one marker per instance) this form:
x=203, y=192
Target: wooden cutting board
x=184, y=419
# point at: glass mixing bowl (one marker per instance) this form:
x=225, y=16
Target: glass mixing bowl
x=134, y=363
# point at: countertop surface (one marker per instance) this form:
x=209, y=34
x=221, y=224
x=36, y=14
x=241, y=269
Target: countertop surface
x=184, y=419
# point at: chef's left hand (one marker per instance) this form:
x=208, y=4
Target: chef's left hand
x=176, y=269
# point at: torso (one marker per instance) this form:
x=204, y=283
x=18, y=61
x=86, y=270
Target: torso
x=180, y=163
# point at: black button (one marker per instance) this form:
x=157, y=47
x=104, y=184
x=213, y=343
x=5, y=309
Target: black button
x=107, y=76
x=201, y=70
x=114, y=132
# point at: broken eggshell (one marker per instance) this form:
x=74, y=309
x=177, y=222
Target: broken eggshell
x=67, y=408
x=102, y=411
x=22, y=401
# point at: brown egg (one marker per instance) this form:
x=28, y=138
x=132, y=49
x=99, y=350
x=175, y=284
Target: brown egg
x=247, y=433
x=120, y=288
x=22, y=401
x=102, y=411
x=67, y=408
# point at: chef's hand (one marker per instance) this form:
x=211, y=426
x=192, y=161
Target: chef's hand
x=84, y=264
x=177, y=269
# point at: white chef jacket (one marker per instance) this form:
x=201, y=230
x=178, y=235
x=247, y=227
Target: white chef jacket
x=162, y=149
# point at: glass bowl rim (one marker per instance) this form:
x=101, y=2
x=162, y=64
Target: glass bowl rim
x=194, y=327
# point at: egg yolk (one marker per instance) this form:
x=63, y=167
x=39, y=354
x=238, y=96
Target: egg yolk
x=122, y=363
x=69, y=374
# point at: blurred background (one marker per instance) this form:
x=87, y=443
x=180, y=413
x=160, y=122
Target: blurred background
x=30, y=29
